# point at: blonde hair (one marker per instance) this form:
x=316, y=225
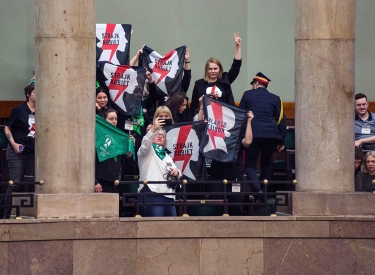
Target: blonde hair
x=162, y=109
x=215, y=61
x=363, y=165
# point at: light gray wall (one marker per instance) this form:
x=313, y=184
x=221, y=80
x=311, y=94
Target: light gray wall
x=205, y=26
x=17, y=20
x=365, y=48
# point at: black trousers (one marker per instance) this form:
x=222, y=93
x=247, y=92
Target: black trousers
x=234, y=198
x=265, y=147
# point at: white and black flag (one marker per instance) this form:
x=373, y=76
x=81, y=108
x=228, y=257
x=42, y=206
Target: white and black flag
x=113, y=43
x=225, y=124
x=125, y=86
x=182, y=145
x=166, y=70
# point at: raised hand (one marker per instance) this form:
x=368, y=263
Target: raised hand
x=250, y=116
x=187, y=54
x=148, y=76
x=237, y=39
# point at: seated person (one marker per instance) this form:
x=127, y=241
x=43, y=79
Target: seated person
x=364, y=124
x=156, y=165
x=358, y=156
x=364, y=178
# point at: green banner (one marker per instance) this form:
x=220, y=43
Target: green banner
x=111, y=141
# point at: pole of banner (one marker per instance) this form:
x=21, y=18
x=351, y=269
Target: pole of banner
x=225, y=182
x=184, y=183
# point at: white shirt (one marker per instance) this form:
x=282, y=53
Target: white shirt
x=152, y=168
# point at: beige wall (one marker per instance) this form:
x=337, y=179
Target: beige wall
x=206, y=26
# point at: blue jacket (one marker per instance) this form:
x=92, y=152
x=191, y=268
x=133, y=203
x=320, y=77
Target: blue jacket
x=269, y=119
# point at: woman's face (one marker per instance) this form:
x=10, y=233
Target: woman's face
x=213, y=71
x=163, y=115
x=32, y=96
x=182, y=107
x=159, y=138
x=370, y=164
x=112, y=118
x=102, y=99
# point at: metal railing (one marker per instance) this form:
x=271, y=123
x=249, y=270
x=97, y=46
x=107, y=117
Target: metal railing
x=26, y=200
x=185, y=198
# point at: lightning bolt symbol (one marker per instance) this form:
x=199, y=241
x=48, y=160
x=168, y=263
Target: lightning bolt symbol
x=120, y=70
x=160, y=69
x=182, y=137
x=106, y=41
x=217, y=111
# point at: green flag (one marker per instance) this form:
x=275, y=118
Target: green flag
x=111, y=141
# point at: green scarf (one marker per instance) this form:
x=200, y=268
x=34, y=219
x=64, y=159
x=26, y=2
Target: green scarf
x=159, y=150
x=138, y=121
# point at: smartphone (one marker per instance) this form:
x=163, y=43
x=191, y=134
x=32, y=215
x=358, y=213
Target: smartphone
x=20, y=148
x=168, y=122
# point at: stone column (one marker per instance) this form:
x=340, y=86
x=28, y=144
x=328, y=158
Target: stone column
x=324, y=98
x=65, y=114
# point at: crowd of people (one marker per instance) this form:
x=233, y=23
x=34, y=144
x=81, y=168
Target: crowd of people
x=364, y=129
x=264, y=133
x=264, y=109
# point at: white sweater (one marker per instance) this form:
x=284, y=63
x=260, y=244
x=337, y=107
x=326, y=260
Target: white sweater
x=152, y=168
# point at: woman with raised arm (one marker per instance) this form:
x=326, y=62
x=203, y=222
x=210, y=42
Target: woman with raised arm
x=156, y=165
x=216, y=82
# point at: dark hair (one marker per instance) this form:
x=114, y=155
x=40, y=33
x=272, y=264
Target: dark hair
x=105, y=111
x=101, y=90
x=359, y=96
x=28, y=90
x=358, y=154
x=174, y=103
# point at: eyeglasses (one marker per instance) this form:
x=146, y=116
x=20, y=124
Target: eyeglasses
x=361, y=104
x=160, y=135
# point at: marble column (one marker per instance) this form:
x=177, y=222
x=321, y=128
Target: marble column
x=324, y=97
x=65, y=102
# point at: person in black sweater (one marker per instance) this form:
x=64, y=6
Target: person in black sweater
x=20, y=131
x=216, y=82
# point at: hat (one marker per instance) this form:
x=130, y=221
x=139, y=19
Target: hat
x=261, y=78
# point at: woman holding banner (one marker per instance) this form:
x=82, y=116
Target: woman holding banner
x=216, y=82
x=156, y=165
x=233, y=172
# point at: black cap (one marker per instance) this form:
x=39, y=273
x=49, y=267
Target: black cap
x=261, y=78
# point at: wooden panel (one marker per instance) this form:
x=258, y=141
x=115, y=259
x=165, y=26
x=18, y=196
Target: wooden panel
x=289, y=109
x=7, y=106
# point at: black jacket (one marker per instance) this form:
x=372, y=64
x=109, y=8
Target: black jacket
x=225, y=80
x=269, y=119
